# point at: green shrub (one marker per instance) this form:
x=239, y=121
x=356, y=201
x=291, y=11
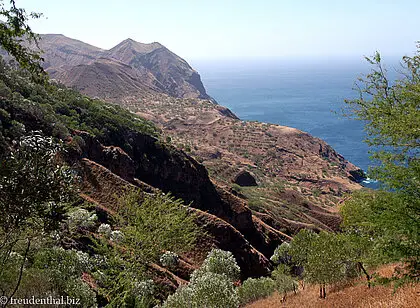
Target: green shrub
x=142, y=217
x=149, y=225
x=281, y=254
x=253, y=289
x=284, y=283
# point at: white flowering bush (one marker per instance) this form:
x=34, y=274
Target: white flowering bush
x=182, y=298
x=77, y=288
x=144, y=288
x=63, y=263
x=220, y=262
x=84, y=259
x=169, y=259
x=214, y=290
x=105, y=230
x=143, y=292
x=15, y=255
x=253, y=289
x=117, y=236
x=64, y=269
x=81, y=218
x=211, y=285
x=209, y=290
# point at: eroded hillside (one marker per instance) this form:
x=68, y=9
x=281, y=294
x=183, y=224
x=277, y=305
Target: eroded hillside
x=287, y=178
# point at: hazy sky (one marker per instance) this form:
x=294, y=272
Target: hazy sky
x=196, y=29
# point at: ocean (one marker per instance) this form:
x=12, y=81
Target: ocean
x=308, y=95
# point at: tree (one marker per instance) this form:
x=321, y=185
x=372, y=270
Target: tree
x=14, y=32
x=34, y=190
x=324, y=258
x=391, y=113
x=152, y=224
x=283, y=281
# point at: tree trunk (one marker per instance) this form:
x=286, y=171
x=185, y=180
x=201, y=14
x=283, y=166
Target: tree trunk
x=365, y=272
x=20, y=273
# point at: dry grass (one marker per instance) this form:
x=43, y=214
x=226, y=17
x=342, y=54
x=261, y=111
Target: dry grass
x=357, y=295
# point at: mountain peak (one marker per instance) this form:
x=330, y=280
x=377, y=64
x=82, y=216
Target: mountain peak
x=135, y=46
x=128, y=41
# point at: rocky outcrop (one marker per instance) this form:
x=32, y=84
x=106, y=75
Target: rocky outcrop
x=244, y=178
x=357, y=175
x=252, y=262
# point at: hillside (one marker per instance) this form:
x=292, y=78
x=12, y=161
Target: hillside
x=199, y=152
x=299, y=179
x=111, y=149
x=124, y=184
x=354, y=294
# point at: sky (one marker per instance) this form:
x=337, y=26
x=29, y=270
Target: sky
x=260, y=29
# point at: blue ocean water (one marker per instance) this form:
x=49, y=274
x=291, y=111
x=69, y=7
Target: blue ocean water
x=307, y=95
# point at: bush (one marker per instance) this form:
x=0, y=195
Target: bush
x=79, y=289
x=183, y=297
x=253, y=289
x=169, y=259
x=219, y=262
x=211, y=285
x=284, y=283
x=63, y=269
x=209, y=290
x=81, y=219
x=142, y=217
x=143, y=292
x=117, y=236
x=105, y=230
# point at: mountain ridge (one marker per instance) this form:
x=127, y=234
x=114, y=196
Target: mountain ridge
x=156, y=70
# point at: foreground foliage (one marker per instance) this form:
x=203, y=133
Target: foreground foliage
x=211, y=286
x=149, y=224
x=34, y=191
x=253, y=289
x=391, y=111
